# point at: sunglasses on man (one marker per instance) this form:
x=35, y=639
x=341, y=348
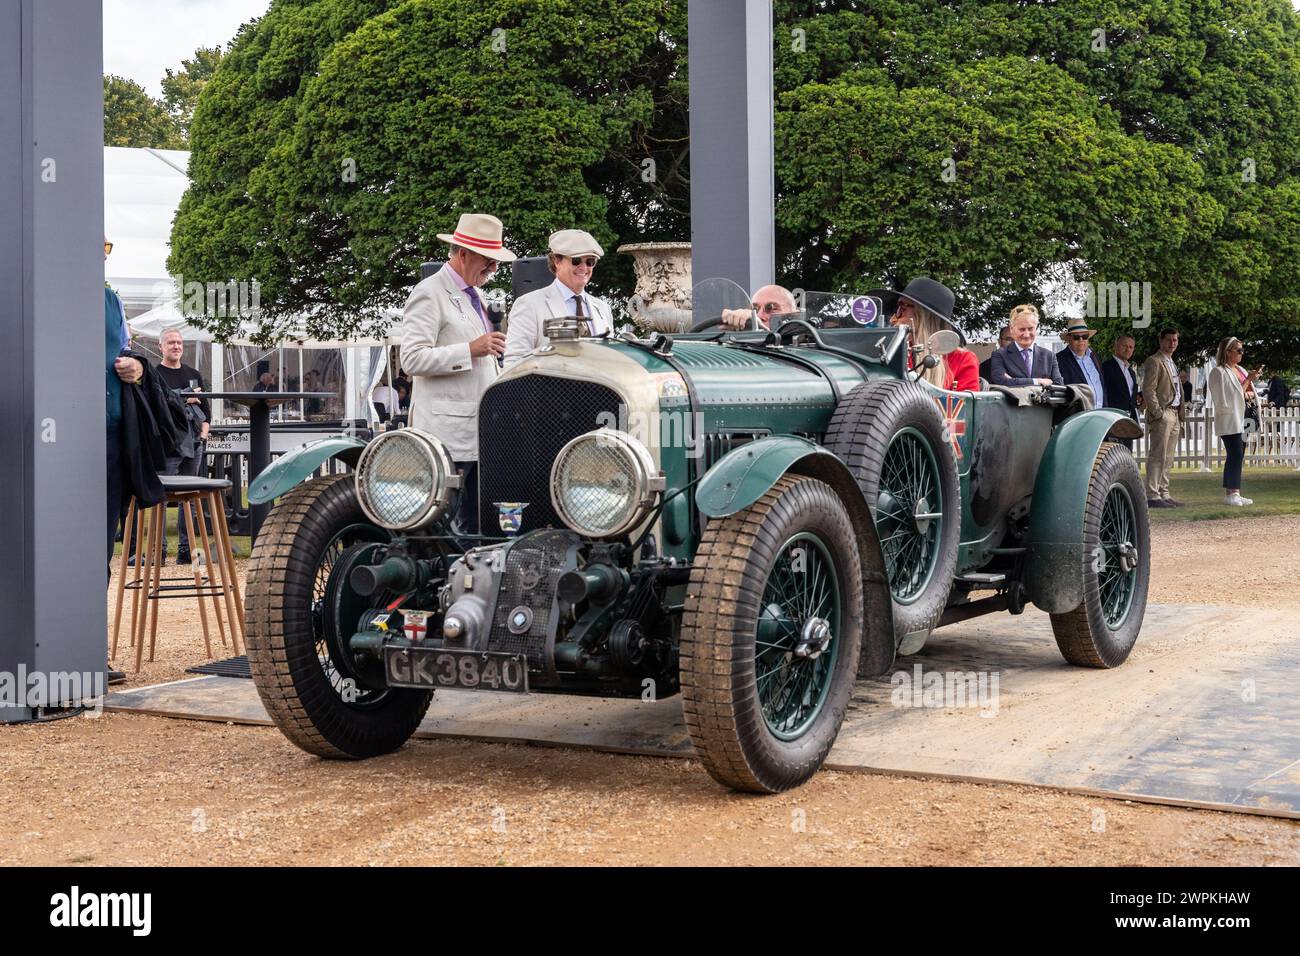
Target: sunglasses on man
x=1076, y=337
x=588, y=261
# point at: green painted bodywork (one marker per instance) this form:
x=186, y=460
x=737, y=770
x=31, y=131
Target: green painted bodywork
x=295, y=467
x=744, y=475
x=997, y=443
x=1053, y=578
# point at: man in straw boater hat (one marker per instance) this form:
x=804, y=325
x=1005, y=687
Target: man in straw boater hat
x=572, y=259
x=1079, y=364
x=450, y=349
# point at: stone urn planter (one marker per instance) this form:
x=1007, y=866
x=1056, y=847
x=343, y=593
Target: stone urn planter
x=662, y=299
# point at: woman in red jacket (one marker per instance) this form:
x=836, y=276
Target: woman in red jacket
x=926, y=306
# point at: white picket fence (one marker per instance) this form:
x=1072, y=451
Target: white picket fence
x=1278, y=441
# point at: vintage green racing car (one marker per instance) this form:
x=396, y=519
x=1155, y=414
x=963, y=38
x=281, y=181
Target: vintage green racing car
x=751, y=519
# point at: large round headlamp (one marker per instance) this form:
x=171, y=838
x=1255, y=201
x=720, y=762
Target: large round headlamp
x=405, y=479
x=603, y=483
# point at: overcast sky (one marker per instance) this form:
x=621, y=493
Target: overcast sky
x=142, y=38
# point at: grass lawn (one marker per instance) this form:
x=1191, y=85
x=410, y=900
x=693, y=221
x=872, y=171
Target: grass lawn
x=1276, y=491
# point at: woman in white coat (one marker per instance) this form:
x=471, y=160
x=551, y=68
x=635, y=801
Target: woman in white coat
x=1230, y=387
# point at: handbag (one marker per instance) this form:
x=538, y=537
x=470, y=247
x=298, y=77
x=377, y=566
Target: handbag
x=1250, y=424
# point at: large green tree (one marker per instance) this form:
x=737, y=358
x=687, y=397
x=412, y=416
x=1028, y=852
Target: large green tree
x=1094, y=140
x=338, y=137
x=997, y=145
x=134, y=118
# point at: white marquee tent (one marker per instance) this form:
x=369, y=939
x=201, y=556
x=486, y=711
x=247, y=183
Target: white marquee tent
x=142, y=191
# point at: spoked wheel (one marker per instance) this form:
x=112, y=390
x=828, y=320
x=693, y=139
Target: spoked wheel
x=301, y=613
x=771, y=633
x=794, y=656
x=892, y=437
x=1114, y=563
x=907, y=515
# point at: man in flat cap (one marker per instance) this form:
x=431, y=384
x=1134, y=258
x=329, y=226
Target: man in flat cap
x=450, y=349
x=572, y=260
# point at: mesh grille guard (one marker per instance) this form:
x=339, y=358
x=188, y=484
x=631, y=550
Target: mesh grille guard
x=523, y=423
x=533, y=568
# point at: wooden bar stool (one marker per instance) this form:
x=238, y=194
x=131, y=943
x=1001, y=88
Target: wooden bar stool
x=212, y=575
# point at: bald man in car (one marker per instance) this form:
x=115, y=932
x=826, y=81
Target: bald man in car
x=769, y=301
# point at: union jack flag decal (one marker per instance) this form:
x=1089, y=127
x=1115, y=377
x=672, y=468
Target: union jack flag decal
x=954, y=425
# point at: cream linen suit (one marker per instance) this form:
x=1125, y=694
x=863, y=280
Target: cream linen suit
x=438, y=324
x=1163, y=422
x=525, y=327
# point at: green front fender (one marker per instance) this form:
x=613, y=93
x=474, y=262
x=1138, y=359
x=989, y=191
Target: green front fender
x=295, y=467
x=1054, y=563
x=745, y=474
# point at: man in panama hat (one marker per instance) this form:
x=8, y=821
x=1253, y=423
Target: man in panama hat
x=573, y=257
x=450, y=348
x=1079, y=364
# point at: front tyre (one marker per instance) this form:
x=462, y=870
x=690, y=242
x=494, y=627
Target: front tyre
x=1115, y=565
x=771, y=632
x=298, y=621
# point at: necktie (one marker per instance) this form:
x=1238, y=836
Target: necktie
x=474, y=300
x=1029, y=362
x=577, y=302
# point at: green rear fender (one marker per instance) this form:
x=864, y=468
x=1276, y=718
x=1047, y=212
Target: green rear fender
x=1054, y=563
x=295, y=467
x=745, y=474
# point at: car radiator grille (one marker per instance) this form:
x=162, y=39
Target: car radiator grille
x=522, y=425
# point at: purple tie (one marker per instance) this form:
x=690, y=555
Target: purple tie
x=1029, y=362
x=478, y=305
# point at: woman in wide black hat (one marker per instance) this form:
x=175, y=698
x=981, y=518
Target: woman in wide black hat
x=926, y=306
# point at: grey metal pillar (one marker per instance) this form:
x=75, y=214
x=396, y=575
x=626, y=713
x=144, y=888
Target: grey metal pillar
x=52, y=481
x=732, y=179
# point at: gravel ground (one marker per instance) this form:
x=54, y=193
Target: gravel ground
x=180, y=792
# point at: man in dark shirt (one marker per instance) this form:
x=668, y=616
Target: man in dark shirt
x=183, y=378
x=1278, y=392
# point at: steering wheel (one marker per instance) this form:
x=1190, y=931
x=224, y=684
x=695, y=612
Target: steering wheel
x=717, y=320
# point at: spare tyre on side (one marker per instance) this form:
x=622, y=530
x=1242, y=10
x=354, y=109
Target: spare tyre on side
x=892, y=437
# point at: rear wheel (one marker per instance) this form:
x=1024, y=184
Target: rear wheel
x=1115, y=565
x=771, y=634
x=301, y=613
x=891, y=436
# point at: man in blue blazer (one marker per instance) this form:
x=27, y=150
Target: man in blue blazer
x=1022, y=363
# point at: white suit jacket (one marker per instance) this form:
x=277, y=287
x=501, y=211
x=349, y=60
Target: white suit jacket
x=528, y=315
x=438, y=324
x=1229, y=401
